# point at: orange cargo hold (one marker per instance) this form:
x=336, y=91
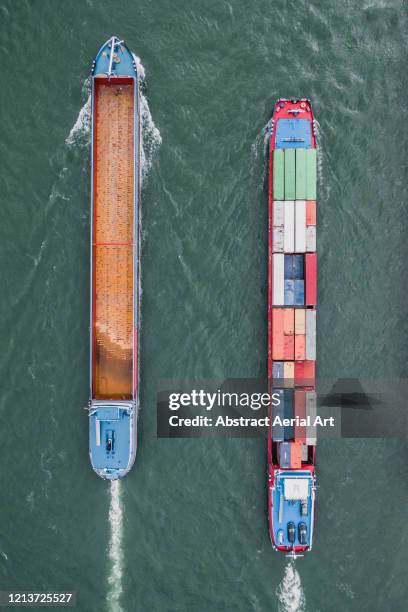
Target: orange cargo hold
x=113, y=274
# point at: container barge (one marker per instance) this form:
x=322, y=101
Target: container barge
x=292, y=301
x=115, y=261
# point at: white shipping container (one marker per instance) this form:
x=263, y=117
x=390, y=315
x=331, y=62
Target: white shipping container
x=289, y=232
x=278, y=279
x=311, y=412
x=300, y=226
x=277, y=237
x=278, y=213
x=311, y=238
x=311, y=335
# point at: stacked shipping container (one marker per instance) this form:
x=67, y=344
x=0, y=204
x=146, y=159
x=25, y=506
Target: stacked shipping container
x=293, y=299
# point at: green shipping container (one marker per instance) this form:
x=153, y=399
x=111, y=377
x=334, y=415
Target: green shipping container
x=301, y=174
x=311, y=174
x=278, y=174
x=290, y=174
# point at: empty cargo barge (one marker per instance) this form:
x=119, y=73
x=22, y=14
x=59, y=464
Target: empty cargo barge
x=115, y=262
x=292, y=301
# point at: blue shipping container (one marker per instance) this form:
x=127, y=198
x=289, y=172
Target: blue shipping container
x=294, y=267
x=277, y=370
x=289, y=292
x=299, y=293
x=288, y=413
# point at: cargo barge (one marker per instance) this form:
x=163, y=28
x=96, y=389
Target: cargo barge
x=115, y=261
x=292, y=301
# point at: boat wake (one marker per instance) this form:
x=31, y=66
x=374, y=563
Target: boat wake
x=80, y=133
x=151, y=137
x=115, y=552
x=290, y=591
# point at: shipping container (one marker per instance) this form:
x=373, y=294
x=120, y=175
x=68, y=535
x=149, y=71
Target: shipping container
x=311, y=174
x=310, y=334
x=278, y=175
x=289, y=373
x=277, y=371
x=278, y=411
x=300, y=174
x=288, y=348
x=310, y=238
x=305, y=373
x=300, y=347
x=278, y=279
x=290, y=175
x=278, y=236
x=278, y=213
x=289, y=321
x=289, y=292
x=300, y=412
x=289, y=228
x=311, y=212
x=295, y=455
x=311, y=279
x=294, y=267
x=284, y=454
x=288, y=413
x=300, y=321
x=299, y=292
x=311, y=411
x=309, y=372
x=277, y=334
x=300, y=226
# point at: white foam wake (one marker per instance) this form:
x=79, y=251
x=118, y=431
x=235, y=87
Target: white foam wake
x=115, y=552
x=290, y=591
x=151, y=137
x=80, y=133
x=81, y=130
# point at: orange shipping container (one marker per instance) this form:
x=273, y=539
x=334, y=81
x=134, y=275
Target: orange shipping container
x=277, y=334
x=295, y=455
x=311, y=212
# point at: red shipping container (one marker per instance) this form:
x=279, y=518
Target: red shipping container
x=295, y=455
x=309, y=373
x=300, y=411
x=299, y=373
x=311, y=279
x=311, y=212
x=300, y=346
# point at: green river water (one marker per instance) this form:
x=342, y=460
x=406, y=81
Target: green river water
x=186, y=531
